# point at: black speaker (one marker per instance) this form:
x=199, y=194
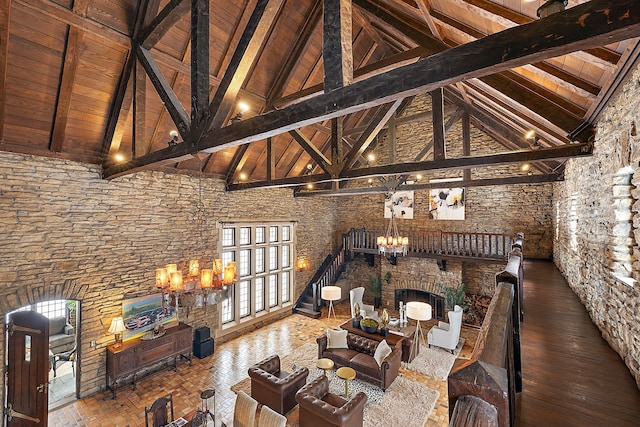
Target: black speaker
x=203, y=348
x=202, y=334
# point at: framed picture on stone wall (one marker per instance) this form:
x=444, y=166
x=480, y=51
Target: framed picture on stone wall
x=447, y=203
x=400, y=203
x=143, y=313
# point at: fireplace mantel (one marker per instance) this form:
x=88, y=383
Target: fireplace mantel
x=436, y=301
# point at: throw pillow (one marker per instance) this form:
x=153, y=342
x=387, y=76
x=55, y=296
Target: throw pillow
x=382, y=351
x=337, y=339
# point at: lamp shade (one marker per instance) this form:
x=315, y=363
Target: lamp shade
x=418, y=310
x=117, y=326
x=206, y=279
x=331, y=293
x=162, y=278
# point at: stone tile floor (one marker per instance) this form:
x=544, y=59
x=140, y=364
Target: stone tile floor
x=220, y=371
x=62, y=388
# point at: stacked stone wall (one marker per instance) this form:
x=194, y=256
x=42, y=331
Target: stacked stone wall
x=598, y=226
x=69, y=234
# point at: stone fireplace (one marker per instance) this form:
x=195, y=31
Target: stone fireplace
x=434, y=300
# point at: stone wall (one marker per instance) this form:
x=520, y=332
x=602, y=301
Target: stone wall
x=498, y=209
x=598, y=226
x=68, y=234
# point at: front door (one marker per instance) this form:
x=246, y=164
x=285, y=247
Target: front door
x=27, y=369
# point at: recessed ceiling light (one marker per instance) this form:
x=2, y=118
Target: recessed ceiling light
x=243, y=176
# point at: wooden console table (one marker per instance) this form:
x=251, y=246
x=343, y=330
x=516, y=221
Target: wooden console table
x=135, y=355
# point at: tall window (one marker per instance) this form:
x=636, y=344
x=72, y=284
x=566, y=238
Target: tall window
x=264, y=254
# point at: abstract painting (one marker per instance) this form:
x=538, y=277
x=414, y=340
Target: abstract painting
x=446, y=203
x=400, y=203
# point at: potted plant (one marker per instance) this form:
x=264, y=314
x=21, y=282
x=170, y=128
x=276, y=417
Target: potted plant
x=369, y=325
x=375, y=287
x=454, y=296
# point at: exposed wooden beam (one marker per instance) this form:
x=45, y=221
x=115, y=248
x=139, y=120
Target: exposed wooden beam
x=337, y=56
x=513, y=180
x=437, y=111
x=164, y=21
x=5, y=19
x=139, y=111
x=236, y=163
x=337, y=152
x=66, y=16
x=425, y=9
x=571, y=150
x=243, y=58
x=168, y=97
x=199, y=67
x=466, y=143
x=522, y=156
x=590, y=24
x=118, y=114
x=379, y=67
x=311, y=150
x=270, y=160
x=301, y=44
x=372, y=130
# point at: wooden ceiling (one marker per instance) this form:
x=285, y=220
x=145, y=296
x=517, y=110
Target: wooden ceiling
x=88, y=79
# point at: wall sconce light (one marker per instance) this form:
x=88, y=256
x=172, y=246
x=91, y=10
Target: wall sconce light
x=117, y=328
x=242, y=108
x=174, y=138
x=302, y=264
x=550, y=7
x=531, y=135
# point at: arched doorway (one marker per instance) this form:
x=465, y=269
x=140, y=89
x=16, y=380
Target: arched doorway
x=62, y=360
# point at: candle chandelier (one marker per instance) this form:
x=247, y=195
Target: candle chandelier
x=194, y=282
x=392, y=243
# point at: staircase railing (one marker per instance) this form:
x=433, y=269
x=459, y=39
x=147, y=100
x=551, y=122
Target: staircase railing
x=438, y=243
x=328, y=273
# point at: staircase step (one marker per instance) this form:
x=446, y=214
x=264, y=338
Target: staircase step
x=307, y=305
x=309, y=313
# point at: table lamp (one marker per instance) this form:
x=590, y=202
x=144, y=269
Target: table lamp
x=117, y=328
x=417, y=311
x=331, y=294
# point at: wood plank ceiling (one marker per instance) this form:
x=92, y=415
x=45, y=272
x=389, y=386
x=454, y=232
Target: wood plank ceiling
x=323, y=80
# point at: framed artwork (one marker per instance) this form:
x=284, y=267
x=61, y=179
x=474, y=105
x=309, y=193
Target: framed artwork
x=400, y=203
x=141, y=315
x=447, y=203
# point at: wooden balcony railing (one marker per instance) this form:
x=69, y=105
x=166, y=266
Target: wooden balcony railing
x=434, y=244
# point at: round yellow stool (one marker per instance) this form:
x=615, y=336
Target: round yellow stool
x=346, y=374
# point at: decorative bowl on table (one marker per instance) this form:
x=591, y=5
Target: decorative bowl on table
x=368, y=325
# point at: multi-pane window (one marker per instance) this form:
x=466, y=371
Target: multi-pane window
x=264, y=254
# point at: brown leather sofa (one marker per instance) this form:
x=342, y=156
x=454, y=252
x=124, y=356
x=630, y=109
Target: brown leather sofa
x=319, y=408
x=274, y=387
x=359, y=356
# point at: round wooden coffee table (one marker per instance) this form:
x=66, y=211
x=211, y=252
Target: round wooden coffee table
x=347, y=374
x=325, y=365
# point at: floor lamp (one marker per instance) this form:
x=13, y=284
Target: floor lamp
x=331, y=294
x=417, y=311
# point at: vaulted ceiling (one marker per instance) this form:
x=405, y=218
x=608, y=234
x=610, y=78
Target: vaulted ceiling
x=87, y=80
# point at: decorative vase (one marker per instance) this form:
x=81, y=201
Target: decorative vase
x=384, y=332
x=355, y=322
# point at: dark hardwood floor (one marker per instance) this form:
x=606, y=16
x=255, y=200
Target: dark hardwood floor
x=571, y=377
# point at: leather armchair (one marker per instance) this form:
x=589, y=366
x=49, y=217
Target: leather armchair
x=366, y=310
x=447, y=335
x=319, y=408
x=274, y=387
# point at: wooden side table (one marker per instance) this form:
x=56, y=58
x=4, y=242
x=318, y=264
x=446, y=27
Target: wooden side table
x=347, y=374
x=325, y=365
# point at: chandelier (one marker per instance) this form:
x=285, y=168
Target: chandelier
x=392, y=243
x=194, y=282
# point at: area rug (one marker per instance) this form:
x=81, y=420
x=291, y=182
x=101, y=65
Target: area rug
x=435, y=362
x=405, y=403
